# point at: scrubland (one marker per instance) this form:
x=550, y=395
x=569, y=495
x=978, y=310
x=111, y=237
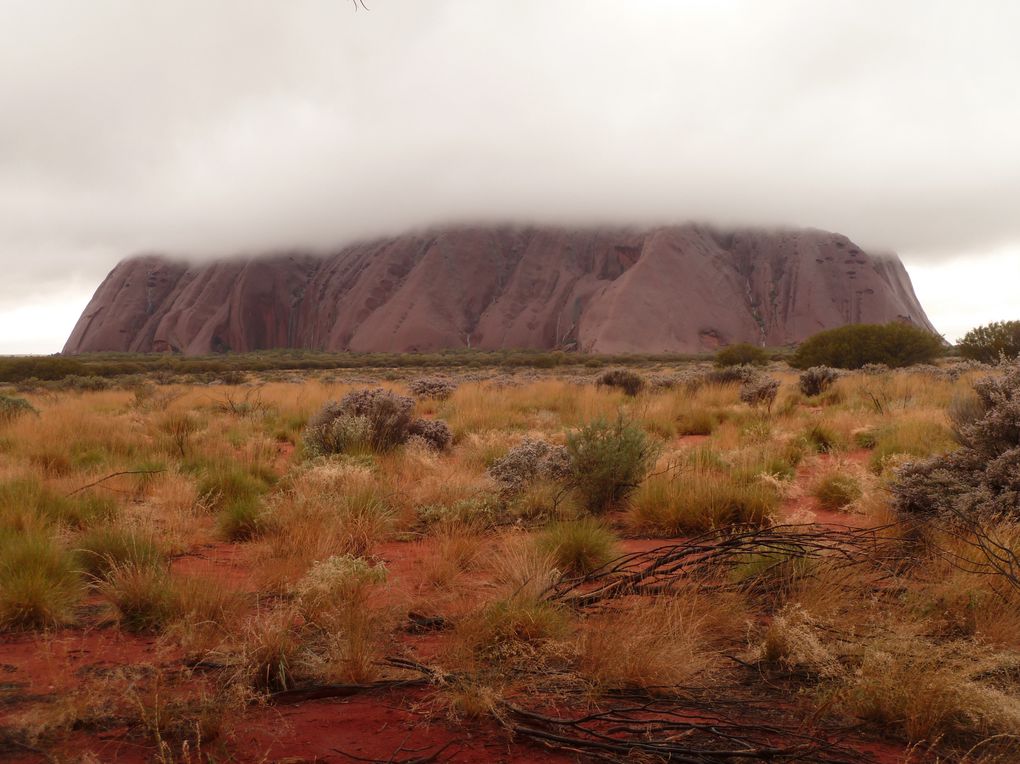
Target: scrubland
x=193, y=572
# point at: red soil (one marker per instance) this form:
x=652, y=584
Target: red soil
x=376, y=725
x=387, y=726
x=226, y=563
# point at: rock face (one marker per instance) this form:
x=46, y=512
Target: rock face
x=683, y=289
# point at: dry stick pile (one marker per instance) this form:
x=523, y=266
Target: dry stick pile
x=691, y=726
x=704, y=557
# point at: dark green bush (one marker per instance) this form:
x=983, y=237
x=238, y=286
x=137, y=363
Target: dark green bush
x=12, y=408
x=608, y=462
x=850, y=347
x=741, y=354
x=991, y=342
x=629, y=381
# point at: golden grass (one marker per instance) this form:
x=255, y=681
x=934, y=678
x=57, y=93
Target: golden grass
x=658, y=646
x=929, y=652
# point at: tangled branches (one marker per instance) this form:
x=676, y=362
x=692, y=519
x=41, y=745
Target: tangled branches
x=661, y=731
x=760, y=550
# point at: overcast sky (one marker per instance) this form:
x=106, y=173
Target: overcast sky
x=210, y=126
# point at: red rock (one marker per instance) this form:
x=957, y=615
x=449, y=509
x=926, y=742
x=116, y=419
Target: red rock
x=679, y=289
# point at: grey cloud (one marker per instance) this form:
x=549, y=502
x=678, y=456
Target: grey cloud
x=214, y=127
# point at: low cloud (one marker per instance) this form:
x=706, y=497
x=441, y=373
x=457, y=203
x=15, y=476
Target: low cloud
x=213, y=128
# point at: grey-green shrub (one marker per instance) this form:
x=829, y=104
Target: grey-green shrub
x=817, y=380
x=378, y=419
x=12, y=408
x=608, y=462
x=981, y=478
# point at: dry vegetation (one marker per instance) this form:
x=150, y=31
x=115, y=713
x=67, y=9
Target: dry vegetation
x=681, y=564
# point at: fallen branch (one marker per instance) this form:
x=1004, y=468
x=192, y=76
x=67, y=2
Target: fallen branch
x=659, y=570
x=111, y=476
x=323, y=691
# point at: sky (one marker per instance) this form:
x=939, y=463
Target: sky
x=215, y=127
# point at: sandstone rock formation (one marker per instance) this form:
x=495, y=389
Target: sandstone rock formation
x=684, y=288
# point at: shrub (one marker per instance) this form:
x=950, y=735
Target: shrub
x=39, y=586
x=382, y=419
x=225, y=484
x=434, y=432
x=578, y=546
x=909, y=438
x=243, y=519
x=730, y=374
x=26, y=503
x=12, y=408
x=370, y=420
x=608, y=462
x=760, y=391
x=91, y=383
x=823, y=439
x=657, y=646
x=741, y=354
x=268, y=652
x=341, y=580
x=851, y=347
x=992, y=342
x=436, y=388
x=100, y=550
x=817, y=380
x=528, y=461
x=837, y=490
x=141, y=594
x=629, y=381
x=982, y=477
x=699, y=500
x=512, y=629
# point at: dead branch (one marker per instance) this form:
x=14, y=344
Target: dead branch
x=113, y=475
x=660, y=570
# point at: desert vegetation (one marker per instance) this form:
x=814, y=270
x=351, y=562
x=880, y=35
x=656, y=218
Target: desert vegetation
x=854, y=346
x=667, y=560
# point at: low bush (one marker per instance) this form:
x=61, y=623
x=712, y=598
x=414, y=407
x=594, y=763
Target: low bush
x=760, y=391
x=338, y=581
x=608, y=462
x=837, y=490
x=909, y=440
x=629, y=381
x=435, y=433
x=853, y=346
x=101, y=549
x=243, y=519
x=226, y=484
x=378, y=418
x=512, y=629
x=370, y=420
x=26, y=503
x=528, y=461
x=578, y=546
x=728, y=375
x=142, y=596
x=12, y=408
x=436, y=388
x=817, y=380
x=698, y=500
x=823, y=438
x=982, y=477
x=39, y=585
x=741, y=354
